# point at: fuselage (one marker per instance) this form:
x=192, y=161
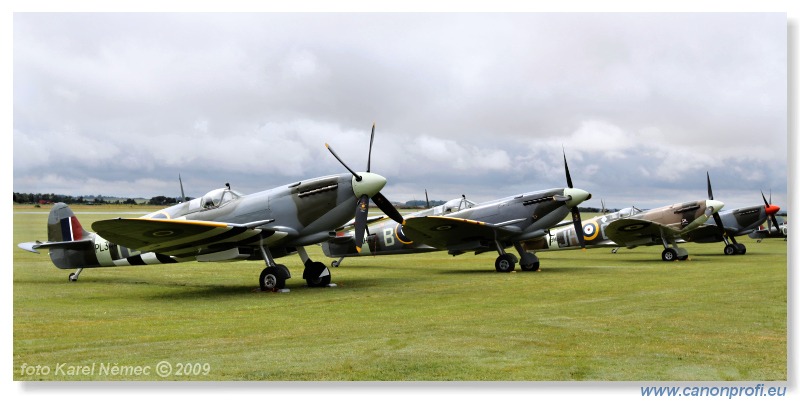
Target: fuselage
x=533, y=213
x=301, y=213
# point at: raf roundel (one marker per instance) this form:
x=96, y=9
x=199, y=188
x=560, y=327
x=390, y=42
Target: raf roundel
x=590, y=231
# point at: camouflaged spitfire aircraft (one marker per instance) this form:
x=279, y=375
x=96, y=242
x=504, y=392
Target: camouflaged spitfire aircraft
x=224, y=225
x=632, y=227
x=461, y=226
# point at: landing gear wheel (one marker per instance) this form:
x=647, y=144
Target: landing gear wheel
x=271, y=279
x=314, y=275
x=682, y=258
x=335, y=263
x=73, y=277
x=730, y=250
x=669, y=255
x=529, y=262
x=741, y=249
x=531, y=267
x=504, y=263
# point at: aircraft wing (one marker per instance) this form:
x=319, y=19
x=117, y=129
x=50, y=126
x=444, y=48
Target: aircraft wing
x=179, y=237
x=706, y=233
x=634, y=232
x=450, y=232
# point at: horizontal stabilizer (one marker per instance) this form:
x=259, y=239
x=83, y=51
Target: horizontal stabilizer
x=83, y=244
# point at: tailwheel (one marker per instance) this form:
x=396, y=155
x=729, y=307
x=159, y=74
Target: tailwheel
x=317, y=274
x=73, y=277
x=505, y=263
x=272, y=279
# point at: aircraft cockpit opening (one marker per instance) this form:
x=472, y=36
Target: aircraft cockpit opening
x=453, y=205
x=219, y=197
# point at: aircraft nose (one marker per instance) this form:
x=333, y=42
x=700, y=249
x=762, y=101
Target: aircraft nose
x=715, y=205
x=772, y=209
x=370, y=184
x=576, y=196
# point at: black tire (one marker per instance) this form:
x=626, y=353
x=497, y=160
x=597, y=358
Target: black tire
x=271, y=279
x=313, y=275
x=741, y=249
x=669, y=255
x=504, y=263
x=72, y=277
x=531, y=266
x=730, y=250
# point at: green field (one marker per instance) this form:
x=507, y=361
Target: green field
x=588, y=315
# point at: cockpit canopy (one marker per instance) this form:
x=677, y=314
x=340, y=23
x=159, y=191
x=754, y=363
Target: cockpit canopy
x=219, y=197
x=452, y=206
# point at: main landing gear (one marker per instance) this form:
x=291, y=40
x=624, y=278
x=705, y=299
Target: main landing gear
x=506, y=261
x=734, y=248
x=274, y=276
x=673, y=254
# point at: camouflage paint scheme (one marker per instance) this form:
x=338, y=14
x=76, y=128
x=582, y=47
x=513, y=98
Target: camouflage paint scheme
x=223, y=225
x=634, y=227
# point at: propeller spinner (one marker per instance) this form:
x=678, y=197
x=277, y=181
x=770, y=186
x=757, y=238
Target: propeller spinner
x=366, y=186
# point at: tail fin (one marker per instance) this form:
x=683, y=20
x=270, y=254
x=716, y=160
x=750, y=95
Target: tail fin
x=62, y=225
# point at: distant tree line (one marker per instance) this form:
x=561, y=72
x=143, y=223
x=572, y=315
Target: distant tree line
x=50, y=198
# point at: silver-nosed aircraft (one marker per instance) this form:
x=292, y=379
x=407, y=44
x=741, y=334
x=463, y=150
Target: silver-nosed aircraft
x=771, y=231
x=224, y=225
x=632, y=227
x=462, y=226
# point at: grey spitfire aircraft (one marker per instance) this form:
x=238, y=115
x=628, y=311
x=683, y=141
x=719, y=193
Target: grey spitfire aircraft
x=224, y=225
x=632, y=227
x=461, y=226
x=741, y=221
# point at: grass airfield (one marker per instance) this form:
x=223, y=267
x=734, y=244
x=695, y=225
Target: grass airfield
x=588, y=315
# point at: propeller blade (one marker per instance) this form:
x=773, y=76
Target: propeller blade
x=183, y=196
x=383, y=203
x=718, y=220
x=371, y=138
x=576, y=221
x=362, y=210
x=772, y=220
x=427, y=202
x=775, y=221
x=708, y=180
x=566, y=168
x=357, y=176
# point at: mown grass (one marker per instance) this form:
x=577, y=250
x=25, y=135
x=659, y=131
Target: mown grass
x=588, y=315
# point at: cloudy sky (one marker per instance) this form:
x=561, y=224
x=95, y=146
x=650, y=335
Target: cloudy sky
x=478, y=104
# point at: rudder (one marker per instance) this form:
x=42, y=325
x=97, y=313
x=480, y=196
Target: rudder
x=62, y=225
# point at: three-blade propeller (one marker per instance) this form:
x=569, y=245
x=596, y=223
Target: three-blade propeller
x=362, y=192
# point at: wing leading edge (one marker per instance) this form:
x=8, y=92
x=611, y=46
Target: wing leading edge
x=180, y=238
